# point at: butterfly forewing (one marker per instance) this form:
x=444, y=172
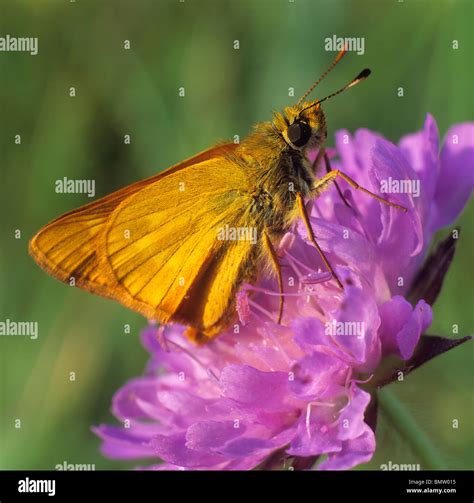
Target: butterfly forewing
x=154, y=246
x=66, y=248
x=163, y=242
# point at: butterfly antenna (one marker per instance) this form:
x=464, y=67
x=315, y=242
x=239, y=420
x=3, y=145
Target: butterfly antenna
x=324, y=75
x=362, y=76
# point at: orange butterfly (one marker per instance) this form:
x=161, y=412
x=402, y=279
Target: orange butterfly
x=177, y=246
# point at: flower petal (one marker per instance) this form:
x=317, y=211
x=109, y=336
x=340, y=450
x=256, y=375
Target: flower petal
x=173, y=449
x=353, y=452
x=253, y=388
x=210, y=436
x=351, y=417
x=456, y=178
x=403, y=325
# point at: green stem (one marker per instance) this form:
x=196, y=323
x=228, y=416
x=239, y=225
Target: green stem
x=401, y=418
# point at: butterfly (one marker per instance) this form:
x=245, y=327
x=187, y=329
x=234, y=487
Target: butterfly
x=178, y=246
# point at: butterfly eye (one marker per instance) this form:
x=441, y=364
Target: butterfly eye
x=299, y=133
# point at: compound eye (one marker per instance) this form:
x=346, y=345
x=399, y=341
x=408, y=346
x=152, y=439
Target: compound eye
x=299, y=133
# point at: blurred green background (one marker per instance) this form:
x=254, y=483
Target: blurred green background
x=190, y=44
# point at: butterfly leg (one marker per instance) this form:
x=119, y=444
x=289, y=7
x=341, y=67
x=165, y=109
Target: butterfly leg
x=317, y=160
x=276, y=265
x=309, y=229
x=322, y=183
x=327, y=164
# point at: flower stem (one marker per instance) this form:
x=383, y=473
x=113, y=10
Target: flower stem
x=401, y=418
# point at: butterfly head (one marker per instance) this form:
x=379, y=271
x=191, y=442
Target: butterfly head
x=302, y=126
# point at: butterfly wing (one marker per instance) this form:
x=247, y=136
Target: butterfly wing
x=66, y=248
x=154, y=246
x=167, y=248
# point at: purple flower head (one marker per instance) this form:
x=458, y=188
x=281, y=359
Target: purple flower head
x=263, y=393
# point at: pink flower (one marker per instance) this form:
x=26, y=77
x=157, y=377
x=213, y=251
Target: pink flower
x=262, y=393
